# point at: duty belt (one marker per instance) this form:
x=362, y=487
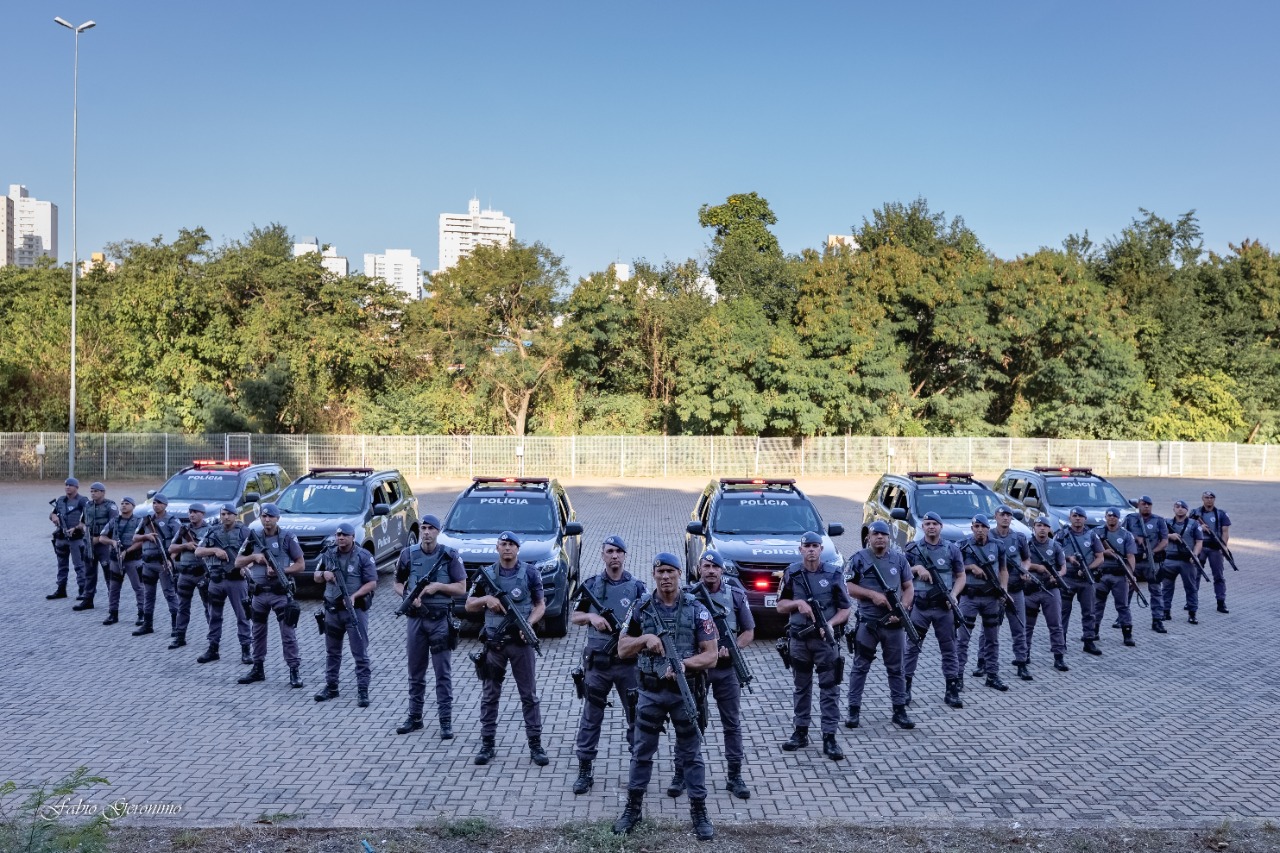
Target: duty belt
x=429, y=611
x=598, y=658
x=979, y=593
x=654, y=684
x=1112, y=571
x=193, y=569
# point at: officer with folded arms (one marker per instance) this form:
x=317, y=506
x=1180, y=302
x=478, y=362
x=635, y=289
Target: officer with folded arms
x=218, y=550
x=1044, y=591
x=191, y=572
x=68, y=536
x=350, y=577
x=125, y=561
x=268, y=557
x=603, y=671
x=98, y=515
x=1186, y=543
x=931, y=607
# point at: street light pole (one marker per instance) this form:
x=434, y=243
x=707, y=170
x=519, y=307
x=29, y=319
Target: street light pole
x=75, y=260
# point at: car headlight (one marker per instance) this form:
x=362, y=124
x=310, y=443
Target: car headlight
x=548, y=566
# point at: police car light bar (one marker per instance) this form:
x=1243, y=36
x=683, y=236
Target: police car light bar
x=755, y=481
x=941, y=475
x=224, y=463
x=511, y=479
x=1061, y=469
x=338, y=469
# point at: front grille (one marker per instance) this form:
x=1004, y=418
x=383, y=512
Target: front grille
x=311, y=546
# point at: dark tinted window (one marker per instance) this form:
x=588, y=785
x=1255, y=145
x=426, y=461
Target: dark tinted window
x=204, y=486
x=1090, y=493
x=484, y=514
x=782, y=513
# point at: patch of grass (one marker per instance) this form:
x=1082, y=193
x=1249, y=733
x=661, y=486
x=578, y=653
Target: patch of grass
x=1219, y=838
x=48, y=820
x=1269, y=826
x=186, y=839
x=273, y=818
x=467, y=829
x=597, y=837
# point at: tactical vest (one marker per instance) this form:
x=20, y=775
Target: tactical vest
x=230, y=541
x=278, y=556
x=1213, y=519
x=989, y=563
x=167, y=527
x=346, y=571
x=188, y=560
x=888, y=566
x=1181, y=551
x=515, y=585
x=724, y=599
x=122, y=530
x=680, y=623
x=1077, y=545
x=98, y=515
x=71, y=511
x=1047, y=555
x=938, y=559
x=1012, y=546
x=823, y=584
x=1116, y=540
x=617, y=598
x=436, y=566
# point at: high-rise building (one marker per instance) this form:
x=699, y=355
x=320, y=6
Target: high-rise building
x=398, y=268
x=329, y=257
x=6, y=231
x=460, y=233
x=35, y=227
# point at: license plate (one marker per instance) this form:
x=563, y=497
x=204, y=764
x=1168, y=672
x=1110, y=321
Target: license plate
x=771, y=601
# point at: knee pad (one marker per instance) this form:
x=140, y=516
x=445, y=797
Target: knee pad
x=685, y=728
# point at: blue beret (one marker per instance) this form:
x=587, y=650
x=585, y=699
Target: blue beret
x=1112, y=512
x=615, y=541
x=128, y=500
x=231, y=508
x=711, y=555
x=1180, y=503
x=811, y=538
x=197, y=507
x=1043, y=519
x=71, y=481
x=97, y=487
x=432, y=521
x=878, y=527
x=508, y=536
x=271, y=510
x=1075, y=510
x=666, y=558
x=1004, y=510
x=159, y=498
x=982, y=519
x=346, y=529
x=932, y=516
x=1145, y=499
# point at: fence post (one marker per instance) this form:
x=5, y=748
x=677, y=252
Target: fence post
x=846, y=454
x=1235, y=447
x=166, y=455
x=104, y=456
x=417, y=455
x=713, y=456
x=928, y=452
x=306, y=451
x=1263, y=472
x=471, y=456
x=666, y=439
x=1139, y=471
x=573, y=457
x=970, y=465
x=622, y=456
x=802, y=456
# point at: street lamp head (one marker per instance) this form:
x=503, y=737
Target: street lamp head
x=87, y=25
x=64, y=23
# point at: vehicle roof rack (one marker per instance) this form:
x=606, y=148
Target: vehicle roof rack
x=510, y=482
x=758, y=481
x=940, y=476
x=327, y=470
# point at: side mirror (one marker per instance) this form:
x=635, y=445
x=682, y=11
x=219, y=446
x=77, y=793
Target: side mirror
x=151, y=493
x=1133, y=503
x=898, y=514
x=381, y=509
x=250, y=498
x=694, y=528
x=1032, y=503
x=573, y=528
x=835, y=529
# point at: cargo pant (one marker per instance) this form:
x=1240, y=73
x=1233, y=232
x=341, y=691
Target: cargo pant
x=354, y=625
x=1212, y=557
x=264, y=604
x=603, y=674
x=222, y=591
x=71, y=554
x=809, y=655
x=1017, y=629
x=1074, y=587
x=1171, y=571
x=523, y=670
x=95, y=555
x=991, y=609
x=653, y=709
x=1039, y=599
x=944, y=628
x=892, y=641
x=153, y=572
x=115, y=576
x=1113, y=583
x=427, y=642
x=185, y=587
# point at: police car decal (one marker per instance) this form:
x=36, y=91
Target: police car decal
x=504, y=500
x=764, y=502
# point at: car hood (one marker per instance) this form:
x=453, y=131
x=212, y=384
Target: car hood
x=764, y=548
x=178, y=508
x=306, y=524
x=1094, y=517
x=483, y=547
x=954, y=529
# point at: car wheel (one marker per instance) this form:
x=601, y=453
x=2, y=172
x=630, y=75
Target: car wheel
x=557, y=626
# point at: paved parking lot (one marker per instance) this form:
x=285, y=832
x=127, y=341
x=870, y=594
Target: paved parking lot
x=1178, y=732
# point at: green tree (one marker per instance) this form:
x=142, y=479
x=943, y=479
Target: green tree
x=746, y=259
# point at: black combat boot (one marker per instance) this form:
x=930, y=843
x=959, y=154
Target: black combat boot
x=487, y=752
x=245, y=657
x=677, y=786
x=1222, y=606
x=799, y=739
x=411, y=724
x=631, y=815
x=993, y=681
x=1191, y=618
x=255, y=674
x=1116, y=624
x=585, y=779
x=981, y=669
x=1128, y=636
x=179, y=640
x=85, y=604
x=295, y=678
x=960, y=683
x=1023, y=672
x=952, y=696
x=537, y=754
x=1158, y=626
x=701, y=823
x=734, y=784
x=211, y=654
x=362, y=697
x=1091, y=647
x=854, y=718
x=145, y=629
x=138, y=622
x=1059, y=664
x=446, y=728
x=60, y=592
x=900, y=718
x=1167, y=616
x=908, y=683
x=113, y=616
x=330, y=691
x=831, y=749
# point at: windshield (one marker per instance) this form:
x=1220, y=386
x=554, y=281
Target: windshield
x=957, y=503
x=203, y=486
x=778, y=515
x=496, y=514
x=1087, y=493
x=323, y=498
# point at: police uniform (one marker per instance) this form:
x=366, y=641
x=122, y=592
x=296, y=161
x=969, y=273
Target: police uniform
x=930, y=607
x=154, y=554
x=1076, y=583
x=121, y=564
x=1180, y=563
x=191, y=576
x=346, y=615
x=602, y=670
x=887, y=572
x=810, y=652
x=1217, y=521
x=1118, y=547
x=503, y=645
x=226, y=585
x=1152, y=529
x=1016, y=552
x=430, y=636
x=981, y=597
x=273, y=595
x=1042, y=594
x=68, y=539
x=98, y=515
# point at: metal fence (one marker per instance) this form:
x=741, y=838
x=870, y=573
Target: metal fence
x=31, y=456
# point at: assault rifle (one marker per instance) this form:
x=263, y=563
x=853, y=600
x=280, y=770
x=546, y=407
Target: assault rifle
x=952, y=604
x=993, y=577
x=165, y=560
x=513, y=615
x=1199, y=564
x=686, y=692
x=740, y=667
x=1084, y=563
x=411, y=596
x=894, y=597
x=1128, y=573
x=822, y=625
x=584, y=591
x=1222, y=546
x=340, y=581
x=1054, y=581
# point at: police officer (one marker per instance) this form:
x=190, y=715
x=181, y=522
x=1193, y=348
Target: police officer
x=1119, y=553
x=267, y=558
x=729, y=598
x=689, y=629
x=431, y=635
x=191, y=572
x=936, y=567
x=68, y=536
x=811, y=649
x=602, y=670
x=124, y=560
x=1043, y=590
x=1017, y=558
x=1216, y=527
x=350, y=577
x=986, y=564
x=1186, y=541
x=1146, y=527
x=98, y=515
x=504, y=643
x=871, y=573
x=157, y=532
x=226, y=583
x=1082, y=550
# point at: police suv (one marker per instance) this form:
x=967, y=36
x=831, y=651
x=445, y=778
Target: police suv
x=901, y=500
x=213, y=483
x=536, y=509
x=1054, y=490
x=756, y=525
x=378, y=504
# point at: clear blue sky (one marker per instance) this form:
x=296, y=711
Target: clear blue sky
x=601, y=127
